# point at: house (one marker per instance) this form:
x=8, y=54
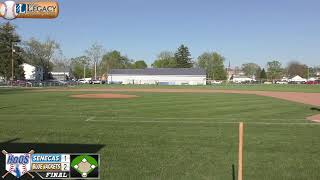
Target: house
x=312, y=79
x=233, y=72
x=32, y=72
x=161, y=76
x=285, y=79
x=60, y=73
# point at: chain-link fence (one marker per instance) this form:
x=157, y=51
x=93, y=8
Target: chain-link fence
x=38, y=84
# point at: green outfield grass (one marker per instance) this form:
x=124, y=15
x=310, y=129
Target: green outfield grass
x=251, y=87
x=171, y=135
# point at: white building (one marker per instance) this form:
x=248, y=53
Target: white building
x=161, y=76
x=312, y=79
x=32, y=72
x=233, y=73
x=60, y=74
x=285, y=79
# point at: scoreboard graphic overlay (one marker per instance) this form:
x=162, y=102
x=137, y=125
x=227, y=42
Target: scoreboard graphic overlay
x=52, y=166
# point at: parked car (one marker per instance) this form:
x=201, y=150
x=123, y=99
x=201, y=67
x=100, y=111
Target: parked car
x=62, y=82
x=297, y=82
x=95, y=81
x=281, y=82
x=17, y=83
x=216, y=82
x=85, y=81
x=313, y=82
x=82, y=81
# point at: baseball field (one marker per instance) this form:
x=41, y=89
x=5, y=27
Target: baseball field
x=170, y=133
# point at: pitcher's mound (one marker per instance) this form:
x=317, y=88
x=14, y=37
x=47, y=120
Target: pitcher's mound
x=103, y=96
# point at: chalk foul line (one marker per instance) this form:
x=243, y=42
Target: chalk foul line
x=90, y=118
x=199, y=122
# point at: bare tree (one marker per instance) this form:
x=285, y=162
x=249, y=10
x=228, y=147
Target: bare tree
x=296, y=68
x=95, y=53
x=251, y=69
x=42, y=53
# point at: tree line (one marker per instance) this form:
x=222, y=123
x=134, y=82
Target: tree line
x=96, y=61
x=14, y=52
x=275, y=70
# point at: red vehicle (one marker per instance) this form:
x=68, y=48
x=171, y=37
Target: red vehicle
x=313, y=82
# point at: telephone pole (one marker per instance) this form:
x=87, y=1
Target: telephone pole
x=12, y=63
x=84, y=71
x=95, y=70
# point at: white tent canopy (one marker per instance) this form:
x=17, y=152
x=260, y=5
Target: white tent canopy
x=298, y=79
x=312, y=79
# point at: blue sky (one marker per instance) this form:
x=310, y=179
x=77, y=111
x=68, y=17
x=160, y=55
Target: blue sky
x=242, y=31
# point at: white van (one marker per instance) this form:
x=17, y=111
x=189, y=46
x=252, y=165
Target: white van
x=84, y=81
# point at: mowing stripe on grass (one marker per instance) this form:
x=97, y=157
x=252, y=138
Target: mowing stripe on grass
x=90, y=118
x=204, y=122
x=158, y=118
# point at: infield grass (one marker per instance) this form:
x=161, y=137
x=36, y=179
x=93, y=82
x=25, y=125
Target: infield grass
x=171, y=135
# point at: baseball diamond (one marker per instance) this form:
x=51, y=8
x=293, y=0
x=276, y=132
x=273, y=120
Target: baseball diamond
x=172, y=133
x=160, y=90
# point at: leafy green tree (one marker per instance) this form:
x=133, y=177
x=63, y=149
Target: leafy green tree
x=140, y=64
x=10, y=48
x=263, y=74
x=80, y=67
x=114, y=60
x=251, y=69
x=274, y=70
x=183, y=57
x=213, y=63
x=258, y=73
x=42, y=54
x=165, y=60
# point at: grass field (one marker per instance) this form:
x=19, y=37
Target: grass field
x=250, y=87
x=167, y=135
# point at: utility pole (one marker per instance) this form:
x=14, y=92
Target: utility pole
x=95, y=70
x=64, y=72
x=12, y=63
x=84, y=70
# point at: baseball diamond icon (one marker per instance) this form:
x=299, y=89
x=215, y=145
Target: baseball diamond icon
x=84, y=164
x=18, y=164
